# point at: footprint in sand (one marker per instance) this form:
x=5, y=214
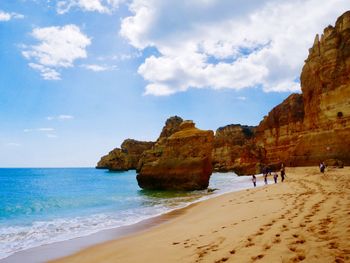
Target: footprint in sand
x=259, y=233
x=221, y=260
x=260, y=256
x=300, y=241
x=249, y=243
x=267, y=247
x=333, y=245
x=276, y=240
x=284, y=228
x=293, y=249
x=339, y=260
x=298, y=258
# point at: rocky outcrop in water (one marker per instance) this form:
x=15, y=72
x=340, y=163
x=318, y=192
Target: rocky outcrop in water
x=171, y=126
x=126, y=157
x=179, y=161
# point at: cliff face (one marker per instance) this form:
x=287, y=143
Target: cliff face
x=278, y=133
x=325, y=83
x=126, y=157
x=181, y=161
x=325, y=77
x=229, y=142
x=303, y=130
x=315, y=125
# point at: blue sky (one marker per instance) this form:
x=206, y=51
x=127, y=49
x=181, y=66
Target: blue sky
x=79, y=76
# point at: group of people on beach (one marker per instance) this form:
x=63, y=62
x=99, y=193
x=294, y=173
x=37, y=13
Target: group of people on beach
x=268, y=171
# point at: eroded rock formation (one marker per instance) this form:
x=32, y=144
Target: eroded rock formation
x=229, y=143
x=325, y=83
x=303, y=130
x=179, y=161
x=126, y=157
x=313, y=126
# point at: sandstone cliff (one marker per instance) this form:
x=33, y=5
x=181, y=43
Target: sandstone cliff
x=126, y=157
x=313, y=126
x=303, y=130
x=229, y=142
x=172, y=125
x=325, y=83
x=179, y=161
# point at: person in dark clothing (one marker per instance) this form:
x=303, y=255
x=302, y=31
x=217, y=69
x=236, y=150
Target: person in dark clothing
x=275, y=176
x=322, y=167
x=283, y=173
x=254, y=180
x=265, y=178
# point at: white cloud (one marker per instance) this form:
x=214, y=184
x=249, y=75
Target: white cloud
x=226, y=44
x=46, y=129
x=51, y=135
x=46, y=72
x=99, y=68
x=59, y=47
x=65, y=117
x=40, y=130
x=61, y=117
x=101, y=6
x=4, y=16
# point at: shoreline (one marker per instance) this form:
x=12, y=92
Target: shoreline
x=304, y=218
x=68, y=247
x=64, y=248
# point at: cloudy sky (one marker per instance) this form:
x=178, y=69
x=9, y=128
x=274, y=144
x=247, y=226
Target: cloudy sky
x=79, y=76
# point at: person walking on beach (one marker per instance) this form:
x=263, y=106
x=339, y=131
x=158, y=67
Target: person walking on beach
x=265, y=172
x=322, y=167
x=254, y=180
x=283, y=173
x=265, y=178
x=275, y=176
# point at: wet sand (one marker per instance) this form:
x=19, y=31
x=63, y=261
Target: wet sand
x=61, y=249
x=306, y=218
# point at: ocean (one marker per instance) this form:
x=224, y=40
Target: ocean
x=45, y=205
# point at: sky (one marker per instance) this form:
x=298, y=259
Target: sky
x=79, y=76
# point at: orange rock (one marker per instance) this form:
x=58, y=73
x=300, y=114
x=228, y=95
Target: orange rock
x=181, y=161
x=126, y=157
x=229, y=142
x=314, y=126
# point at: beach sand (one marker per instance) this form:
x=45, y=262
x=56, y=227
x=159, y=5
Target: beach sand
x=306, y=218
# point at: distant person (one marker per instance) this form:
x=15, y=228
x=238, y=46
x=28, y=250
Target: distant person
x=254, y=180
x=322, y=167
x=265, y=178
x=283, y=172
x=275, y=176
x=269, y=170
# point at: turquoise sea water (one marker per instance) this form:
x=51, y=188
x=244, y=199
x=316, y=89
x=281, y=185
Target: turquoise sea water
x=41, y=206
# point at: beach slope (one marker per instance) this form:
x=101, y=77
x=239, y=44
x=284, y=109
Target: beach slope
x=306, y=218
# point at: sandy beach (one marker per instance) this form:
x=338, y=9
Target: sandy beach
x=306, y=218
